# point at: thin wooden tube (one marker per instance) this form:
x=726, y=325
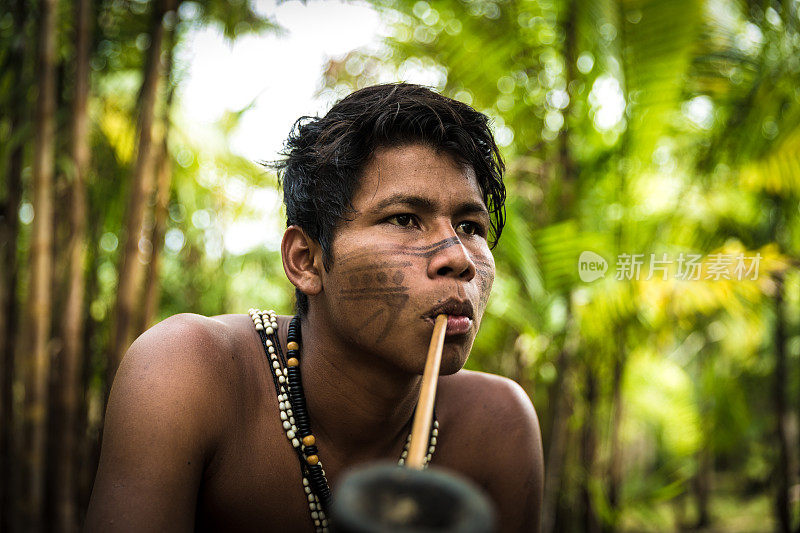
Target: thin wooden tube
x=421, y=428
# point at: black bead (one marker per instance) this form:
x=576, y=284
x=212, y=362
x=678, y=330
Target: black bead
x=311, y=450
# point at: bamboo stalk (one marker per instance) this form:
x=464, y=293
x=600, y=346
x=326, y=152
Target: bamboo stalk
x=421, y=428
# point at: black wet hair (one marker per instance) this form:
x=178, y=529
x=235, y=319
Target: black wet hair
x=324, y=157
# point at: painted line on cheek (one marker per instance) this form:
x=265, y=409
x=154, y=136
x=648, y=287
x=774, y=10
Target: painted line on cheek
x=418, y=251
x=386, y=264
x=374, y=290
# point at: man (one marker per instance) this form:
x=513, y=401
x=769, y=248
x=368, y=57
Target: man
x=392, y=200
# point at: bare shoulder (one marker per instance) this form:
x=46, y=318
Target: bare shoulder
x=188, y=359
x=187, y=334
x=166, y=414
x=496, y=438
x=490, y=399
x=191, y=347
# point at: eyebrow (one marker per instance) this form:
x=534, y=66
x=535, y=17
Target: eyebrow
x=426, y=204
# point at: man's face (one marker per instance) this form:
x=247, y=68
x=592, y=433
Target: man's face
x=416, y=246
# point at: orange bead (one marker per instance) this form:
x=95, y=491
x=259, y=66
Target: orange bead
x=309, y=440
x=312, y=459
x=292, y=362
x=292, y=346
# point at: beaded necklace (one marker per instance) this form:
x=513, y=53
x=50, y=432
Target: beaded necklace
x=294, y=415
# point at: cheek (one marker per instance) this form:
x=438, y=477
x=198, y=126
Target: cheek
x=368, y=291
x=484, y=272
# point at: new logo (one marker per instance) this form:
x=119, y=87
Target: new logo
x=591, y=266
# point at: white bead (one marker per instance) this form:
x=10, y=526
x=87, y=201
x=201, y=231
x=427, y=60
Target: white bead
x=270, y=331
x=281, y=379
x=307, y=489
x=404, y=454
x=286, y=425
x=311, y=497
x=290, y=434
x=316, y=523
x=295, y=443
x=269, y=343
x=271, y=350
x=281, y=406
x=291, y=420
x=312, y=506
x=305, y=481
x=294, y=428
x=431, y=449
x=278, y=372
x=276, y=364
x=289, y=412
x=325, y=522
x=315, y=515
x=401, y=462
x=259, y=327
x=433, y=441
x=283, y=416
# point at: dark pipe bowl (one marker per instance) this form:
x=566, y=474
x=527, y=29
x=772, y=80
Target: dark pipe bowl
x=388, y=498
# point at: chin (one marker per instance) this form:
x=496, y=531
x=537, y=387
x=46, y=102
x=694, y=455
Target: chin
x=454, y=356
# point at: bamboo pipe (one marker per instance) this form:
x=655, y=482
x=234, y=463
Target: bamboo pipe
x=421, y=427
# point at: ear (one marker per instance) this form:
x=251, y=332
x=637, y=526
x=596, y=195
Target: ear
x=302, y=260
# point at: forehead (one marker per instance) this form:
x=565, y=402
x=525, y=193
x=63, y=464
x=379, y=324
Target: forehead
x=417, y=170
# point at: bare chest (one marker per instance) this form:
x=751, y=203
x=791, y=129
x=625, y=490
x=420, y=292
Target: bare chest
x=255, y=483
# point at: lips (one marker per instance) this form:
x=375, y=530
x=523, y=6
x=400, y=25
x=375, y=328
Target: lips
x=459, y=315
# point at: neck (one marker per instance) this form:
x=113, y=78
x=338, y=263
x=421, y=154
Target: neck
x=358, y=403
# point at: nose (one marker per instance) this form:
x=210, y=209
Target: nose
x=450, y=258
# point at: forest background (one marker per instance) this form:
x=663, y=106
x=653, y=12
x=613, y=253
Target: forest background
x=668, y=389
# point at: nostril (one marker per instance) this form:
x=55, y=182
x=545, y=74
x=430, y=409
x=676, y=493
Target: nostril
x=444, y=271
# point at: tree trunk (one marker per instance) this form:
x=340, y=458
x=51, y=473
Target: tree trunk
x=71, y=363
x=782, y=505
x=88, y=424
x=41, y=268
x=560, y=398
x=164, y=175
x=9, y=230
x=702, y=486
x=131, y=270
x=615, y=453
x=561, y=194
x=591, y=523
x=161, y=204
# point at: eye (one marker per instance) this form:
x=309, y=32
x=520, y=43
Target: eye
x=470, y=228
x=404, y=220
